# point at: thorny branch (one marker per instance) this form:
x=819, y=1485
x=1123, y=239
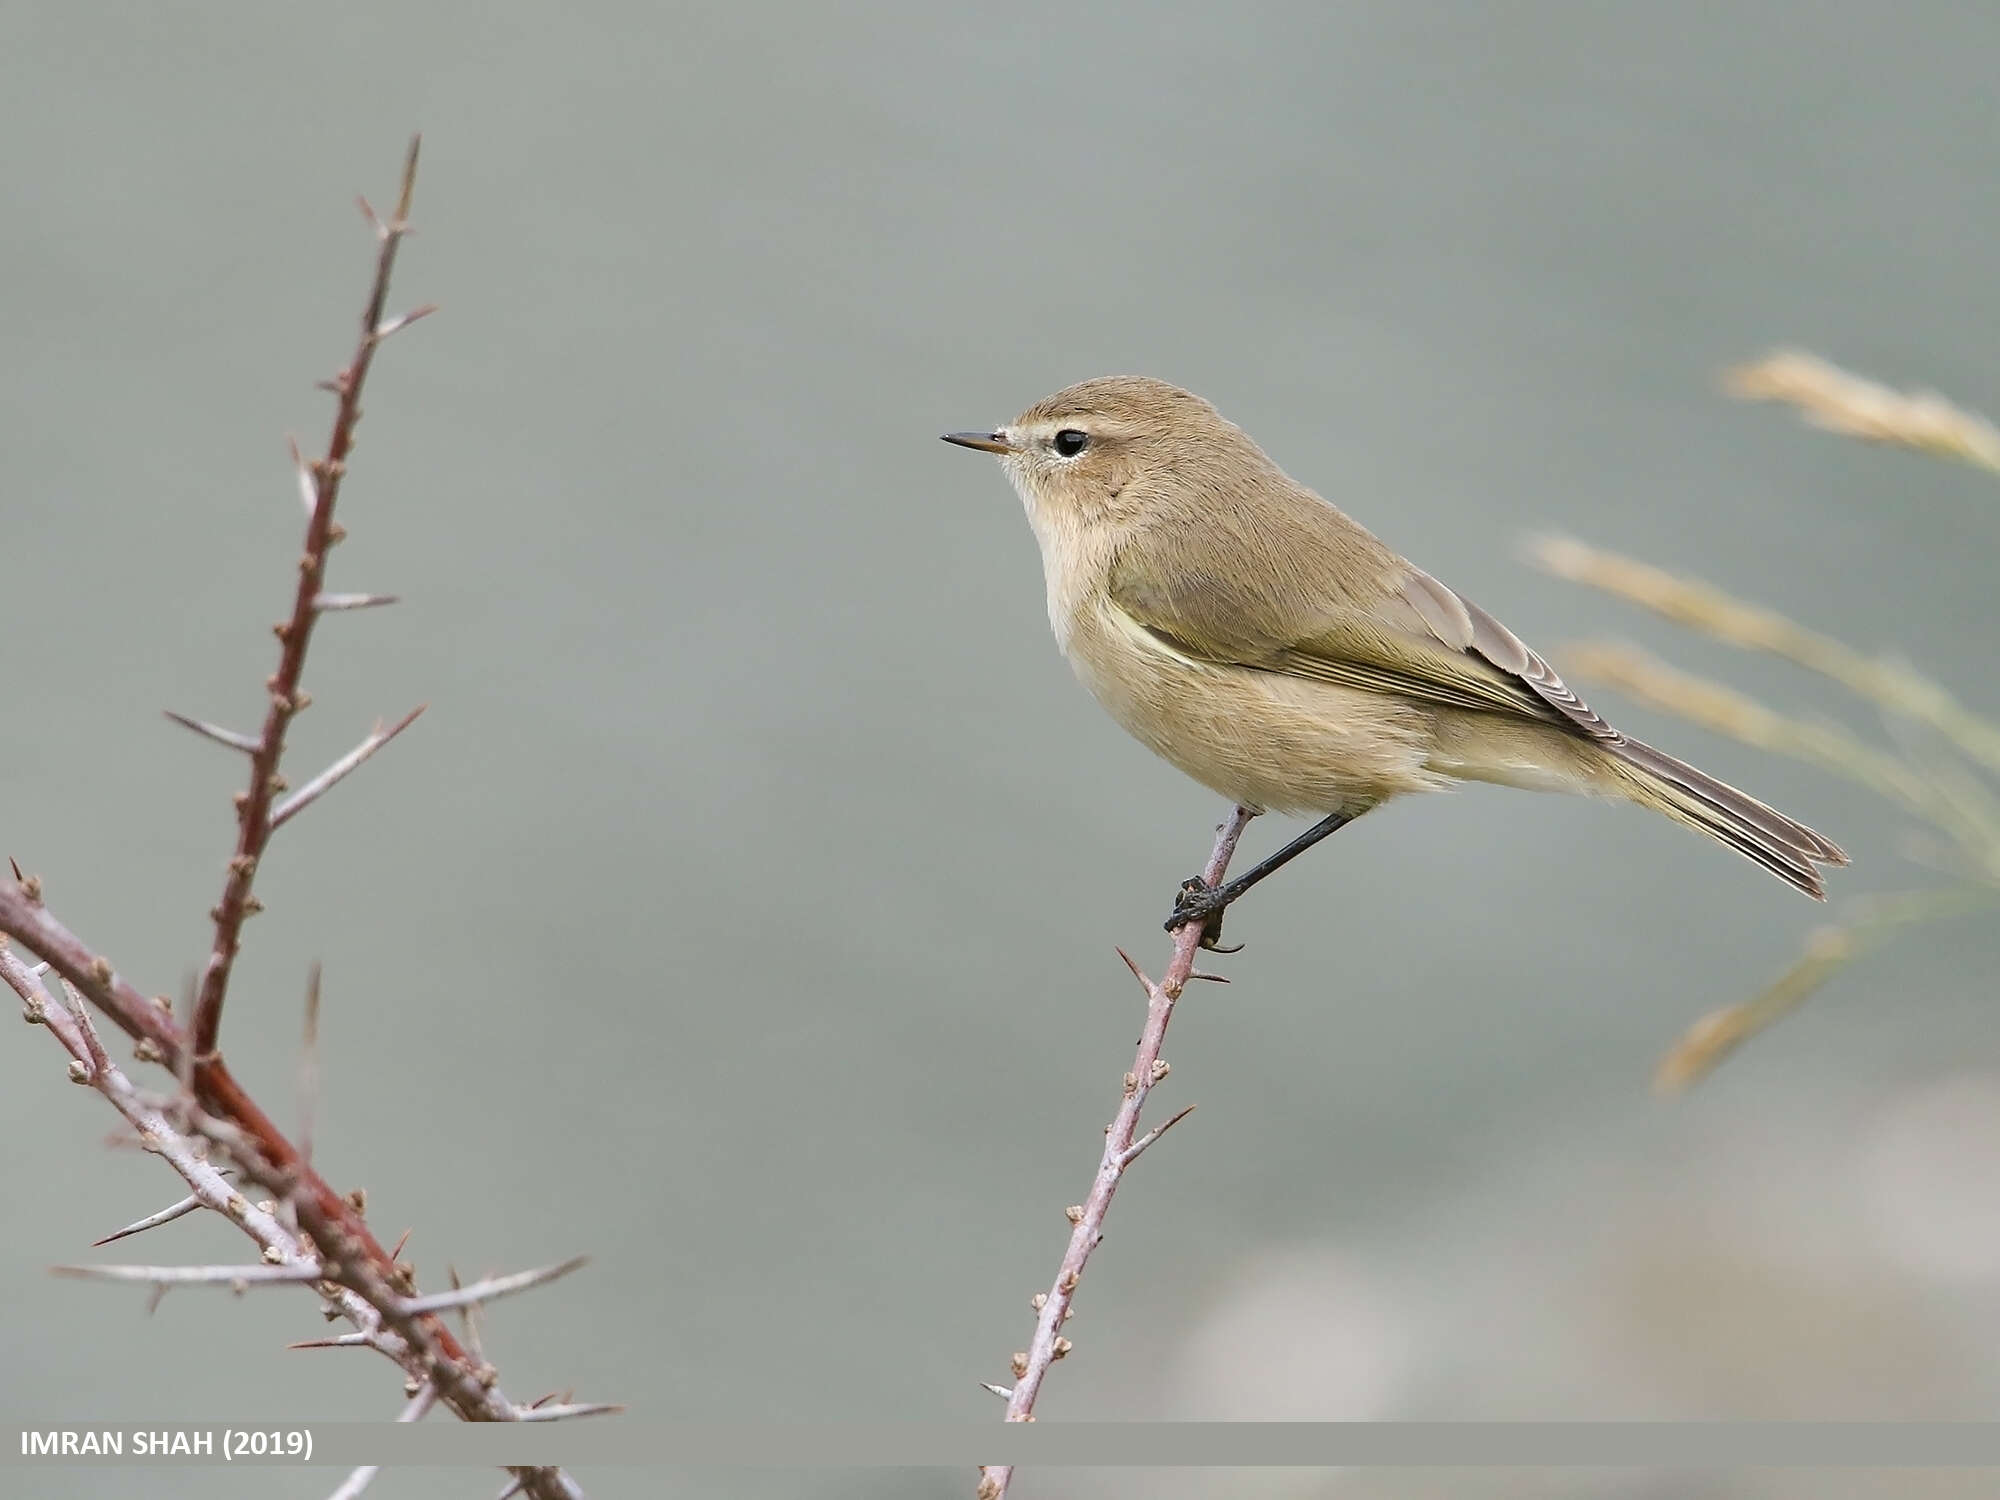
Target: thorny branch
x=306, y=1230
x=319, y=483
x=1122, y=1146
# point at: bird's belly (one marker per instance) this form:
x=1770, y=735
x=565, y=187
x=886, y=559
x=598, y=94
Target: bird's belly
x=1259, y=738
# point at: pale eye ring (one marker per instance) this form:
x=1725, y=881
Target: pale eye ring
x=1070, y=442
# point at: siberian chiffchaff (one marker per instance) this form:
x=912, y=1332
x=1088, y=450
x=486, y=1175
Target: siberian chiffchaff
x=1243, y=628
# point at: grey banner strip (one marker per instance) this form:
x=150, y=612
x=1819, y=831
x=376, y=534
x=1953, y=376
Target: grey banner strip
x=633, y=1440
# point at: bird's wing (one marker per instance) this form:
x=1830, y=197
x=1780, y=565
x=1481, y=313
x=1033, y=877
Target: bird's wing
x=1409, y=635
x=1458, y=623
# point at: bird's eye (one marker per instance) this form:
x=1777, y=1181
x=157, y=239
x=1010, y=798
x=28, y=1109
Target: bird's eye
x=1070, y=442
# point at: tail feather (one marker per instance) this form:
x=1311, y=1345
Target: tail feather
x=1788, y=849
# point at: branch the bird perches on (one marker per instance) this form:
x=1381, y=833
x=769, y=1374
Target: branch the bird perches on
x=1122, y=1146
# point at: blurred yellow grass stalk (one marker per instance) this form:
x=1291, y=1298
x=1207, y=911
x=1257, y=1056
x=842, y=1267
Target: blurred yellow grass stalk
x=1845, y=403
x=1722, y=1031
x=1927, y=780
x=1891, y=685
x=1827, y=951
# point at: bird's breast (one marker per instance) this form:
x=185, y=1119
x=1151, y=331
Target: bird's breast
x=1260, y=738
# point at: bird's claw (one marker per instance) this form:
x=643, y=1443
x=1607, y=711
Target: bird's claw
x=1198, y=901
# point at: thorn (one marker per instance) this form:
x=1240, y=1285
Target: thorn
x=397, y=1253
x=497, y=1286
x=15, y=865
x=396, y=325
x=423, y=1396
x=1131, y=1153
x=236, y=1277
x=308, y=486
x=566, y=1410
x=97, y=1061
x=357, y=1480
x=374, y=219
x=355, y=1340
x=409, y=182
x=1004, y=1392
x=179, y=1210
x=1137, y=972
x=1211, y=978
x=327, y=603
x=469, y=1315
x=311, y=792
x=246, y=743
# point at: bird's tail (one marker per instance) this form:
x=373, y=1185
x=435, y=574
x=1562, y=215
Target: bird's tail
x=1791, y=851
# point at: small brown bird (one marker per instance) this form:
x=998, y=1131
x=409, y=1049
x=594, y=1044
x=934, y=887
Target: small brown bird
x=1245, y=629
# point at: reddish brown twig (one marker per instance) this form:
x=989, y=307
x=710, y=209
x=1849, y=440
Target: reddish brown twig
x=320, y=480
x=387, y=1318
x=334, y=1236
x=1122, y=1145
x=308, y=1232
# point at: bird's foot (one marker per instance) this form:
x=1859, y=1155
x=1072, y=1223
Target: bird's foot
x=1198, y=901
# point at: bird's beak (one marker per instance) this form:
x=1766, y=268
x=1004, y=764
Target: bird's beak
x=985, y=442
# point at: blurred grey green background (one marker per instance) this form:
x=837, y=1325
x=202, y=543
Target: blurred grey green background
x=742, y=911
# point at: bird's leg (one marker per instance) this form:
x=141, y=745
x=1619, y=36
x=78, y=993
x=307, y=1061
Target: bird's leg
x=1200, y=902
